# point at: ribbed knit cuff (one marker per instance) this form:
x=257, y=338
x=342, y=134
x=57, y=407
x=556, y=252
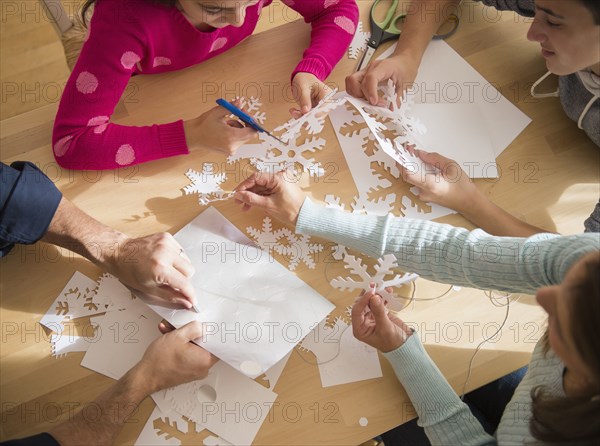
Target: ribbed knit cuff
x=172, y=139
x=359, y=232
x=313, y=66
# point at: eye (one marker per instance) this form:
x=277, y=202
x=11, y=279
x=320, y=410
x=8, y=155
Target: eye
x=552, y=24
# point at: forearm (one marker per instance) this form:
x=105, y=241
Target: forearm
x=73, y=229
x=111, y=410
x=423, y=19
x=494, y=220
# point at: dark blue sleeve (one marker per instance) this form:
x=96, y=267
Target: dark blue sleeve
x=28, y=201
x=43, y=439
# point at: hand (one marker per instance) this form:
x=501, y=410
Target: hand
x=215, y=131
x=374, y=325
x=155, y=265
x=275, y=193
x=402, y=70
x=449, y=187
x=308, y=90
x=173, y=359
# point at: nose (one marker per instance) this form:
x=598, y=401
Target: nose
x=238, y=17
x=536, y=32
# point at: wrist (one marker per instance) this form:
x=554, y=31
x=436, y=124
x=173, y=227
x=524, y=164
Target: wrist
x=107, y=249
x=140, y=380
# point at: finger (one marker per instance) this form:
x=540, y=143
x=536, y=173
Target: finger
x=360, y=306
x=251, y=199
x=219, y=112
x=165, y=327
x=242, y=134
x=184, y=266
x=353, y=84
x=248, y=183
x=378, y=309
x=190, y=331
x=434, y=158
x=369, y=85
x=180, y=285
x=295, y=113
x=304, y=100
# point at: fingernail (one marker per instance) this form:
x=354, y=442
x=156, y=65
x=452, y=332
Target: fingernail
x=373, y=100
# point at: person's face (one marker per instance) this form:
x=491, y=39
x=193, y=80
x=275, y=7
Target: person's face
x=216, y=13
x=566, y=32
x=557, y=301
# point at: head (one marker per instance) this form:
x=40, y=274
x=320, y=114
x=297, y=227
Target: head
x=568, y=32
x=205, y=13
x=573, y=309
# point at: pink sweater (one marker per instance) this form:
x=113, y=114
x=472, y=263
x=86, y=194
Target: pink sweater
x=145, y=37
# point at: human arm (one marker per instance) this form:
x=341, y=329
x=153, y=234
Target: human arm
x=333, y=24
x=154, y=264
x=451, y=187
x=445, y=418
x=423, y=19
x=169, y=361
x=436, y=251
x=84, y=138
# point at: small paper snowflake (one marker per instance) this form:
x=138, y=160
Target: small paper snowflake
x=296, y=247
x=359, y=41
x=313, y=121
x=384, y=267
x=206, y=184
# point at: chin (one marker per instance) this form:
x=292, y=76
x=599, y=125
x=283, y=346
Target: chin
x=558, y=69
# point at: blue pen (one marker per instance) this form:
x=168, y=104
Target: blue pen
x=245, y=117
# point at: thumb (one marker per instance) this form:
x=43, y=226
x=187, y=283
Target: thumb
x=304, y=100
x=190, y=331
x=378, y=309
x=434, y=158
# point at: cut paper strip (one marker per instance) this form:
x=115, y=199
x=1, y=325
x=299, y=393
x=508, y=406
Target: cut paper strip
x=64, y=343
x=112, y=295
x=226, y=403
x=123, y=336
x=359, y=41
x=252, y=308
x=459, y=82
x=77, y=299
x=313, y=121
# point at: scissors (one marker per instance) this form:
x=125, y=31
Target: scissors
x=388, y=30
x=246, y=118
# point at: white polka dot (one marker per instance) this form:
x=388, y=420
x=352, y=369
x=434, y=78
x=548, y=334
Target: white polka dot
x=86, y=82
x=99, y=123
x=125, y=155
x=129, y=59
x=62, y=145
x=345, y=23
x=328, y=3
x=161, y=61
x=218, y=44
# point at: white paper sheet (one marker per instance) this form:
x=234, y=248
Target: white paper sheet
x=226, y=403
x=445, y=77
x=122, y=339
x=254, y=311
x=154, y=435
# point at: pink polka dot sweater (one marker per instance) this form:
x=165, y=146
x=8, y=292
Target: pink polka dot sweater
x=145, y=37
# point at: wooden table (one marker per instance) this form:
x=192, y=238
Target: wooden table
x=557, y=192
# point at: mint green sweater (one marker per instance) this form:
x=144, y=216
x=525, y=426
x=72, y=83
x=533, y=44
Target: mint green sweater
x=461, y=257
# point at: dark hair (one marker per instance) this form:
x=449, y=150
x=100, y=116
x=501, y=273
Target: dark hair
x=594, y=7
x=89, y=3
x=575, y=420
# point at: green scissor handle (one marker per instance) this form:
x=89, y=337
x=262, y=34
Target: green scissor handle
x=382, y=31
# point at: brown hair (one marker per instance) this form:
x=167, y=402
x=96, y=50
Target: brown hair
x=594, y=7
x=575, y=420
x=89, y=3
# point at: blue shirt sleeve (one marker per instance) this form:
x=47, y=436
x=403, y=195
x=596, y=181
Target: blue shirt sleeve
x=43, y=439
x=28, y=202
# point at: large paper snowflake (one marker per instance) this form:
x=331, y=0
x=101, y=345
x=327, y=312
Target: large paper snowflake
x=313, y=121
x=206, y=184
x=359, y=41
x=252, y=107
x=295, y=247
x=384, y=267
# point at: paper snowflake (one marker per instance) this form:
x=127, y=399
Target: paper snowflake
x=359, y=41
x=295, y=247
x=313, y=121
x=206, y=184
x=252, y=107
x=384, y=267
x=364, y=205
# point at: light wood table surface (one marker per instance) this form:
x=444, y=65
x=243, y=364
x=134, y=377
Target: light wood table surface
x=556, y=190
